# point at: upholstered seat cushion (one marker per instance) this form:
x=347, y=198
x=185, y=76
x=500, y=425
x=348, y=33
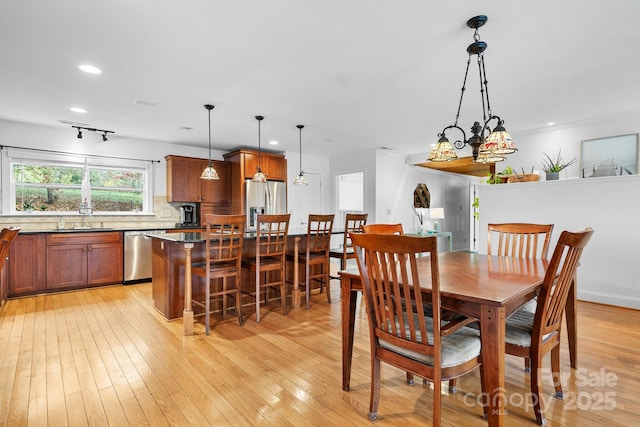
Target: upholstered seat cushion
x=519, y=327
x=457, y=348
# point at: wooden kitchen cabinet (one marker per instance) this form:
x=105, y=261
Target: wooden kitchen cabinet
x=243, y=167
x=273, y=165
x=79, y=260
x=27, y=264
x=184, y=183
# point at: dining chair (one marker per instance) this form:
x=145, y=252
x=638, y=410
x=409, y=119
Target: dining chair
x=522, y=240
x=268, y=265
x=532, y=335
x=7, y=236
x=400, y=333
x=453, y=320
x=383, y=229
x=315, y=255
x=223, y=236
x=352, y=224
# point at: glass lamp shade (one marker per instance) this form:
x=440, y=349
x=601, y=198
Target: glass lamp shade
x=209, y=173
x=259, y=176
x=489, y=158
x=300, y=180
x=498, y=142
x=443, y=151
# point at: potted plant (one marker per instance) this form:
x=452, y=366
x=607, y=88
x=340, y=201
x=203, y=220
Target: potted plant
x=553, y=167
x=500, y=177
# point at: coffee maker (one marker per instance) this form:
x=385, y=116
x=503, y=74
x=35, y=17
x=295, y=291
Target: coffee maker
x=188, y=216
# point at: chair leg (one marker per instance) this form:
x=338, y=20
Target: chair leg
x=536, y=388
x=307, y=285
x=239, y=304
x=375, y=388
x=527, y=364
x=283, y=293
x=224, y=296
x=437, y=401
x=207, y=306
x=555, y=371
x=409, y=380
x=257, y=296
x=485, y=402
x=453, y=385
x=327, y=279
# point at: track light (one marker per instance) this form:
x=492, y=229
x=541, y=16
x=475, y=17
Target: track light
x=103, y=131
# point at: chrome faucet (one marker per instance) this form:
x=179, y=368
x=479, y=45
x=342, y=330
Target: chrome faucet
x=84, y=211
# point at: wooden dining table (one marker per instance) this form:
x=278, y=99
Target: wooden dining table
x=488, y=288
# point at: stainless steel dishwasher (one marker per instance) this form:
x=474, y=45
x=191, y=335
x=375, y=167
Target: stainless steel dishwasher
x=137, y=255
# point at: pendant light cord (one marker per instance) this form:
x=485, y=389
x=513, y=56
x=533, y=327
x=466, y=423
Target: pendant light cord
x=300, y=127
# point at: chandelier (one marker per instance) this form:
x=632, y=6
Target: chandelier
x=494, y=147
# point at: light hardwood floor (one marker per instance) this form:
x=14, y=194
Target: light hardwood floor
x=106, y=357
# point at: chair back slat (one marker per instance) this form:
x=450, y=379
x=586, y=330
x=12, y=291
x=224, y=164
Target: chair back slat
x=224, y=236
x=391, y=285
x=271, y=235
x=353, y=224
x=319, y=234
x=557, y=281
x=522, y=240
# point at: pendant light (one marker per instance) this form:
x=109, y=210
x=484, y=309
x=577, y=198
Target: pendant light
x=259, y=176
x=494, y=147
x=300, y=179
x=209, y=172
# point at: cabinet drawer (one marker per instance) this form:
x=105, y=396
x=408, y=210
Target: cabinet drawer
x=84, y=238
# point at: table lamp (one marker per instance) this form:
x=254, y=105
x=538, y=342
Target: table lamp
x=436, y=214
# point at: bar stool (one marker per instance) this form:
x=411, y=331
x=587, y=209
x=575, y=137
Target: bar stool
x=353, y=224
x=224, y=236
x=269, y=261
x=315, y=257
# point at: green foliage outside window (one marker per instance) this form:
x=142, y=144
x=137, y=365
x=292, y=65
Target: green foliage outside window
x=55, y=188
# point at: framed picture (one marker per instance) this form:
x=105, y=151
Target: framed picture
x=612, y=156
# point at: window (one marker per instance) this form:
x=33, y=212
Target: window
x=45, y=182
x=351, y=192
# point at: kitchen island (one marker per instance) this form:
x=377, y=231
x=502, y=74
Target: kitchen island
x=172, y=255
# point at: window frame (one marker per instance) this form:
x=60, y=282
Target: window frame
x=12, y=156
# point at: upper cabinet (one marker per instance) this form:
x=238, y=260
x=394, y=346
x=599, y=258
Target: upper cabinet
x=273, y=165
x=184, y=183
x=243, y=166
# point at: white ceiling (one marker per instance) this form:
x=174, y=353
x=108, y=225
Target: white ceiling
x=358, y=73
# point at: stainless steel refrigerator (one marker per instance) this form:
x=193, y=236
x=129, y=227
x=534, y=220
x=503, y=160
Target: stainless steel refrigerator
x=265, y=198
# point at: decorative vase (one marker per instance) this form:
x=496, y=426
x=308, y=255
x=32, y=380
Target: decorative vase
x=552, y=176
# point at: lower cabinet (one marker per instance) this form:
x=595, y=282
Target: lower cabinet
x=43, y=262
x=84, y=259
x=28, y=264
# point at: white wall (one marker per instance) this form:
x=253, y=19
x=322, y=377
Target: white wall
x=609, y=271
x=395, y=183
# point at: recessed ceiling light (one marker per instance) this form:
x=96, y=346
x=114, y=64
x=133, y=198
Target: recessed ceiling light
x=551, y=123
x=78, y=110
x=273, y=142
x=186, y=128
x=90, y=69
